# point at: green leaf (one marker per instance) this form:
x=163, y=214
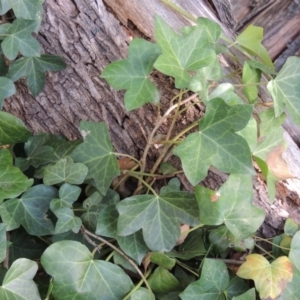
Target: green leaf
x=251, y=76
x=285, y=89
x=236, y=287
x=26, y=9
x=172, y=186
x=142, y=293
x=65, y=170
x=19, y=39
x=290, y=227
x=291, y=291
x=62, y=147
x=193, y=246
x=212, y=283
x=177, y=60
x=18, y=283
x=158, y=216
x=226, y=92
x=295, y=250
x=12, y=181
x=61, y=207
x=132, y=74
x=12, y=129
x=225, y=205
x=30, y=210
x=34, y=69
x=254, y=64
x=97, y=154
x=249, y=133
x=268, y=121
x=216, y=142
x=3, y=243
x=250, y=39
x=167, y=168
x=7, y=89
x=162, y=260
x=107, y=221
x=82, y=277
x=162, y=281
x=249, y=295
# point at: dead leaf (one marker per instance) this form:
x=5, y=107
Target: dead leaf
x=125, y=163
x=182, y=238
x=277, y=164
x=146, y=261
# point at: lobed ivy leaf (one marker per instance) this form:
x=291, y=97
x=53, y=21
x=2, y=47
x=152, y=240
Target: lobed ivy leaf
x=96, y=152
x=224, y=206
x=131, y=74
x=30, y=210
x=270, y=279
x=3, y=242
x=177, y=60
x=285, y=89
x=216, y=142
x=12, y=181
x=26, y=9
x=34, y=69
x=7, y=89
x=65, y=170
x=158, y=216
x=77, y=275
x=250, y=78
x=251, y=39
x=19, y=39
x=18, y=283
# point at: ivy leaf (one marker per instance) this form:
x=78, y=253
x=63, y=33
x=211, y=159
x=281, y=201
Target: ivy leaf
x=18, y=283
x=12, y=181
x=34, y=69
x=212, y=283
x=251, y=39
x=61, y=207
x=97, y=154
x=131, y=74
x=290, y=227
x=224, y=206
x=142, y=293
x=12, y=129
x=216, y=143
x=162, y=281
x=291, y=291
x=285, y=89
x=158, y=216
x=7, y=89
x=269, y=122
x=226, y=92
x=249, y=295
x=177, y=60
x=19, y=39
x=251, y=76
x=3, y=243
x=65, y=170
x=270, y=279
x=107, y=222
x=254, y=64
x=162, y=260
x=81, y=276
x=295, y=250
x=26, y=9
x=30, y=210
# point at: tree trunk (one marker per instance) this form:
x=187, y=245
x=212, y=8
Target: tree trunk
x=88, y=37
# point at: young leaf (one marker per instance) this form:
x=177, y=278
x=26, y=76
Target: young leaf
x=251, y=76
x=12, y=181
x=212, y=283
x=18, y=283
x=26, y=9
x=216, y=143
x=19, y=39
x=285, y=89
x=235, y=193
x=7, y=89
x=30, y=210
x=97, y=154
x=65, y=170
x=132, y=74
x=162, y=281
x=250, y=39
x=158, y=216
x=34, y=69
x=82, y=277
x=270, y=279
x=177, y=59
x=12, y=129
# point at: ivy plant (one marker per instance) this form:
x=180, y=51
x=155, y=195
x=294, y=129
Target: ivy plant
x=60, y=208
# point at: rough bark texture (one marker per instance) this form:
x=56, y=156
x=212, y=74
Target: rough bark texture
x=88, y=36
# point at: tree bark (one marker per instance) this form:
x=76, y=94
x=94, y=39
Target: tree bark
x=88, y=37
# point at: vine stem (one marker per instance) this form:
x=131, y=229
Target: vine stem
x=99, y=238
x=265, y=240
